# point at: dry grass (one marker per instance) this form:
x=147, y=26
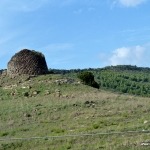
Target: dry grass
x=77, y=109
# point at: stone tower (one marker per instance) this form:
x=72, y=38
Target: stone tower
x=27, y=62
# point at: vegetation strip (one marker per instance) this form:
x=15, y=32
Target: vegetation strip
x=76, y=135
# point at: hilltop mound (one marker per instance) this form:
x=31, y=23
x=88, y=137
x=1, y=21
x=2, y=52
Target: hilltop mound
x=28, y=62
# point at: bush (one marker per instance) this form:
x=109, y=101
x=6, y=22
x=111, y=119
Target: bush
x=95, y=84
x=88, y=79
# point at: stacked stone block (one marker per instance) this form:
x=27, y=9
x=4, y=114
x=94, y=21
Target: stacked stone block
x=27, y=62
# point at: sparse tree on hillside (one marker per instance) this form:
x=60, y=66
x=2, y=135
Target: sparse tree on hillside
x=88, y=79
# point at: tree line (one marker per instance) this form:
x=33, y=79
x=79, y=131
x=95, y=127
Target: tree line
x=122, y=78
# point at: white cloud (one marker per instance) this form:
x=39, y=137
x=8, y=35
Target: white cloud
x=128, y=55
x=129, y=3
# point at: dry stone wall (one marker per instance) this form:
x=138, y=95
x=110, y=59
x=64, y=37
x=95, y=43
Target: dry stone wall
x=27, y=62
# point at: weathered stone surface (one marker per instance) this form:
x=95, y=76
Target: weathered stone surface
x=3, y=72
x=27, y=62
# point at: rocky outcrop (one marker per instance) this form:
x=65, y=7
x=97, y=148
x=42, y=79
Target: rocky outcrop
x=27, y=62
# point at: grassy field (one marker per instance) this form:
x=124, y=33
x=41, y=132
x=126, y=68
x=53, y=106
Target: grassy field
x=54, y=112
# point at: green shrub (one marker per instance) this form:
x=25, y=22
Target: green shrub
x=96, y=126
x=88, y=79
x=95, y=84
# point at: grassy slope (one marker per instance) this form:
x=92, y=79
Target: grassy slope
x=68, y=112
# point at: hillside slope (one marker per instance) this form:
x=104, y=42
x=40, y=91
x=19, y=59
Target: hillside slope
x=57, y=112
x=122, y=78
x=125, y=79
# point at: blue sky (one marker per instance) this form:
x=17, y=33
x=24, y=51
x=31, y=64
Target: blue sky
x=76, y=34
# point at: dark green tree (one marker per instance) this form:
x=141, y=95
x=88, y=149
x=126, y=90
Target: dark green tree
x=88, y=79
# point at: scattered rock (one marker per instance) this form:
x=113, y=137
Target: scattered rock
x=7, y=87
x=26, y=94
x=12, y=93
x=19, y=81
x=11, y=122
x=47, y=92
x=77, y=83
x=35, y=110
x=75, y=105
x=26, y=87
x=145, y=144
x=89, y=103
x=145, y=121
x=38, y=105
x=34, y=93
x=64, y=81
x=65, y=96
x=58, y=93
x=27, y=115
